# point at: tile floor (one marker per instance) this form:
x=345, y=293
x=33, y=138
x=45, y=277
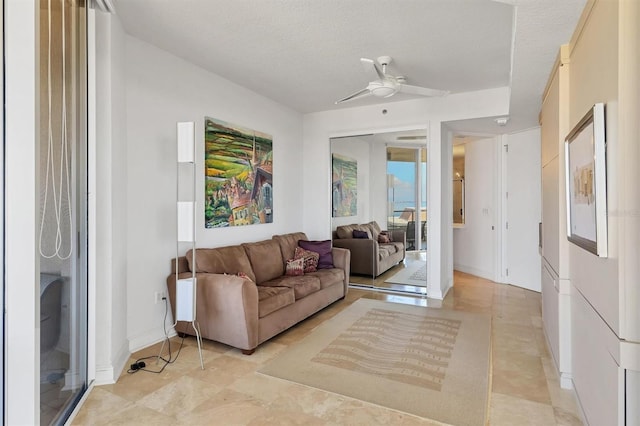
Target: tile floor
x=525, y=386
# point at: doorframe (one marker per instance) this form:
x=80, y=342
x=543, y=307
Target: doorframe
x=498, y=216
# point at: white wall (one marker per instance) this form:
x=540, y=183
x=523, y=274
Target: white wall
x=110, y=145
x=161, y=90
x=22, y=327
x=378, y=176
x=474, y=244
x=419, y=113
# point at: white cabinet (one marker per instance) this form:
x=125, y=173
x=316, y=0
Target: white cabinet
x=556, y=314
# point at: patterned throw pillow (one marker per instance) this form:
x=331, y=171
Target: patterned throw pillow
x=295, y=267
x=383, y=239
x=310, y=259
x=323, y=248
x=386, y=234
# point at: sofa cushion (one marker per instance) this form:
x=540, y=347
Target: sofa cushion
x=329, y=277
x=270, y=299
x=346, y=231
x=374, y=229
x=222, y=260
x=295, y=267
x=323, y=248
x=310, y=259
x=266, y=259
x=385, y=250
x=302, y=285
x=288, y=243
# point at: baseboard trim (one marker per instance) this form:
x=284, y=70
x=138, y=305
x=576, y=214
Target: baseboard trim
x=566, y=381
x=108, y=374
x=474, y=271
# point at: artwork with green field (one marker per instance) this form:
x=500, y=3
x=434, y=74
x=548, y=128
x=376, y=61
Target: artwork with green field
x=344, y=186
x=238, y=175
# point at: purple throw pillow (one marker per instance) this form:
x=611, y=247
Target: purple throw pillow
x=360, y=234
x=323, y=248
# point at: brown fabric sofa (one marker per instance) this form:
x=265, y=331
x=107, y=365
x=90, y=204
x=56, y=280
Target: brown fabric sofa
x=243, y=313
x=368, y=256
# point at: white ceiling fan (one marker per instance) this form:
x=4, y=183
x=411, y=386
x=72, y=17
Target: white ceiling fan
x=387, y=85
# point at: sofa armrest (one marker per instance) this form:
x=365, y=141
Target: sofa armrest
x=364, y=254
x=342, y=260
x=226, y=309
x=400, y=236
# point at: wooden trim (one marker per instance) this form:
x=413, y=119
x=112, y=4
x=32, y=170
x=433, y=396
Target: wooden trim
x=582, y=22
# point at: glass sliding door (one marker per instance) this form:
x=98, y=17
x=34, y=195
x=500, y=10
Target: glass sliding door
x=407, y=193
x=62, y=225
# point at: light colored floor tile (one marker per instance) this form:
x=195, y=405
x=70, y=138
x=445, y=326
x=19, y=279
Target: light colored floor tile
x=508, y=410
x=184, y=394
x=230, y=391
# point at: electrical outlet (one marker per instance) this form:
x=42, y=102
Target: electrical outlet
x=159, y=295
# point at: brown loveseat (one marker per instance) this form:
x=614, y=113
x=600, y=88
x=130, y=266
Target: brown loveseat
x=242, y=312
x=368, y=255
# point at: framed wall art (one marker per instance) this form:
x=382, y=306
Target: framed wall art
x=344, y=186
x=586, y=182
x=238, y=175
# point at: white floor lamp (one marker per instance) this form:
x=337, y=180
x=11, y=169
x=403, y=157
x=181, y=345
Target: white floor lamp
x=186, y=288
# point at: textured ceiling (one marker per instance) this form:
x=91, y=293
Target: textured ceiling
x=305, y=53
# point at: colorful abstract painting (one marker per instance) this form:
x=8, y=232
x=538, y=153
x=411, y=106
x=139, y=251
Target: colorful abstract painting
x=344, y=186
x=238, y=175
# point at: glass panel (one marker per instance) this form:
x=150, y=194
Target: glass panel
x=62, y=230
x=2, y=286
x=458, y=184
x=352, y=163
x=406, y=189
x=373, y=182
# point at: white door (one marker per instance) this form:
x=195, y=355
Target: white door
x=523, y=210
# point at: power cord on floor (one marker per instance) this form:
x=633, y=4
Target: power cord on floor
x=140, y=365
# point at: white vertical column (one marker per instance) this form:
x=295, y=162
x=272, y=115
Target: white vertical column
x=22, y=280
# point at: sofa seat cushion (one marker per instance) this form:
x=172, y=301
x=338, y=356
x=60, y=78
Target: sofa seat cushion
x=270, y=299
x=302, y=285
x=399, y=245
x=329, y=277
x=386, y=250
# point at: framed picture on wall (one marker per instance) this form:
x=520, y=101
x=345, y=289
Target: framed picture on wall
x=586, y=182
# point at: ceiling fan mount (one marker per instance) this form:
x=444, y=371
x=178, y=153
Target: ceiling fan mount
x=387, y=85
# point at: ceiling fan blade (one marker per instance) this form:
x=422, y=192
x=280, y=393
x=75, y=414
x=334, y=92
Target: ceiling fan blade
x=370, y=64
x=422, y=91
x=359, y=94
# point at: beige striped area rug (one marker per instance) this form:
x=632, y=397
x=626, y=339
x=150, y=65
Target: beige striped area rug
x=433, y=363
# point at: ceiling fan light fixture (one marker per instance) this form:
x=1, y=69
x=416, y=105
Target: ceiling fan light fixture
x=383, y=91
